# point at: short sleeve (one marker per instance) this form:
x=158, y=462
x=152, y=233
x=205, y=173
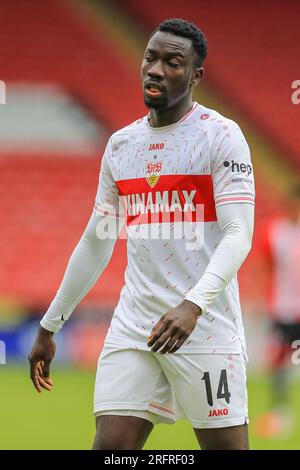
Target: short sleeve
x=232, y=170
x=107, y=198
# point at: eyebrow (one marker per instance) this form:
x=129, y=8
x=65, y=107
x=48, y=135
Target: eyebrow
x=169, y=54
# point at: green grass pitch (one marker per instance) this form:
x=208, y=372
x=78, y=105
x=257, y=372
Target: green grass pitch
x=62, y=419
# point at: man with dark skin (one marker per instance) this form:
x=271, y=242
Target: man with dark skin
x=169, y=73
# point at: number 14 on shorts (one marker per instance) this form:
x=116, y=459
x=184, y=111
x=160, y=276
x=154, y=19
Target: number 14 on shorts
x=223, y=390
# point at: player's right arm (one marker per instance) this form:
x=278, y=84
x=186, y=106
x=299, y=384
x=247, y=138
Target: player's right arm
x=86, y=264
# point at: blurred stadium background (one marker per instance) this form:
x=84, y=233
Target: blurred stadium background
x=71, y=70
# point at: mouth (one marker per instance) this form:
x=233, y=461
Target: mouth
x=153, y=89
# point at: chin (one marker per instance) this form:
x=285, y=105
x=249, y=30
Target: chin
x=155, y=103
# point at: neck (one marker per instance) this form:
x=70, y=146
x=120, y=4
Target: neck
x=166, y=117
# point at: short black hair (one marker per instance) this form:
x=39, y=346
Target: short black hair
x=185, y=29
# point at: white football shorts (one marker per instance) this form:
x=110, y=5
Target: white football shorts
x=209, y=390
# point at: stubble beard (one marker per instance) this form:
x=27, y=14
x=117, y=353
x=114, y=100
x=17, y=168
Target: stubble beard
x=157, y=104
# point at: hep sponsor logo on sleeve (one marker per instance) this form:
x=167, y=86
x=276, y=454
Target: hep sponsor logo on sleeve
x=238, y=167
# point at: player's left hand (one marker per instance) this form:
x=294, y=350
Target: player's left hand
x=174, y=328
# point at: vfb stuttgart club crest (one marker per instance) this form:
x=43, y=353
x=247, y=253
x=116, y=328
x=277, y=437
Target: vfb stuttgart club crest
x=153, y=170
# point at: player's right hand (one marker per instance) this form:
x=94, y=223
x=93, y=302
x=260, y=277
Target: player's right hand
x=42, y=353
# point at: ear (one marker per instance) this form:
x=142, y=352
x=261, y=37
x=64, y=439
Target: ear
x=198, y=74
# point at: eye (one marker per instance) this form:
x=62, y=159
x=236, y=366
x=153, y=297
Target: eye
x=173, y=65
x=148, y=58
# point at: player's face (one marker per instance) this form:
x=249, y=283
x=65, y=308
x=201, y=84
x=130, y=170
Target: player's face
x=168, y=70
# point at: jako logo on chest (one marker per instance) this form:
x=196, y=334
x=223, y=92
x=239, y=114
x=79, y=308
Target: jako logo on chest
x=159, y=146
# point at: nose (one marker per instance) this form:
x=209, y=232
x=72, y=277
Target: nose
x=156, y=70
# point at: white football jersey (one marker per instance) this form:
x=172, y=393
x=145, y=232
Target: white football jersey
x=158, y=178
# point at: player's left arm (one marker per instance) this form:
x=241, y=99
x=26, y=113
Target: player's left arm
x=234, y=199
x=236, y=223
